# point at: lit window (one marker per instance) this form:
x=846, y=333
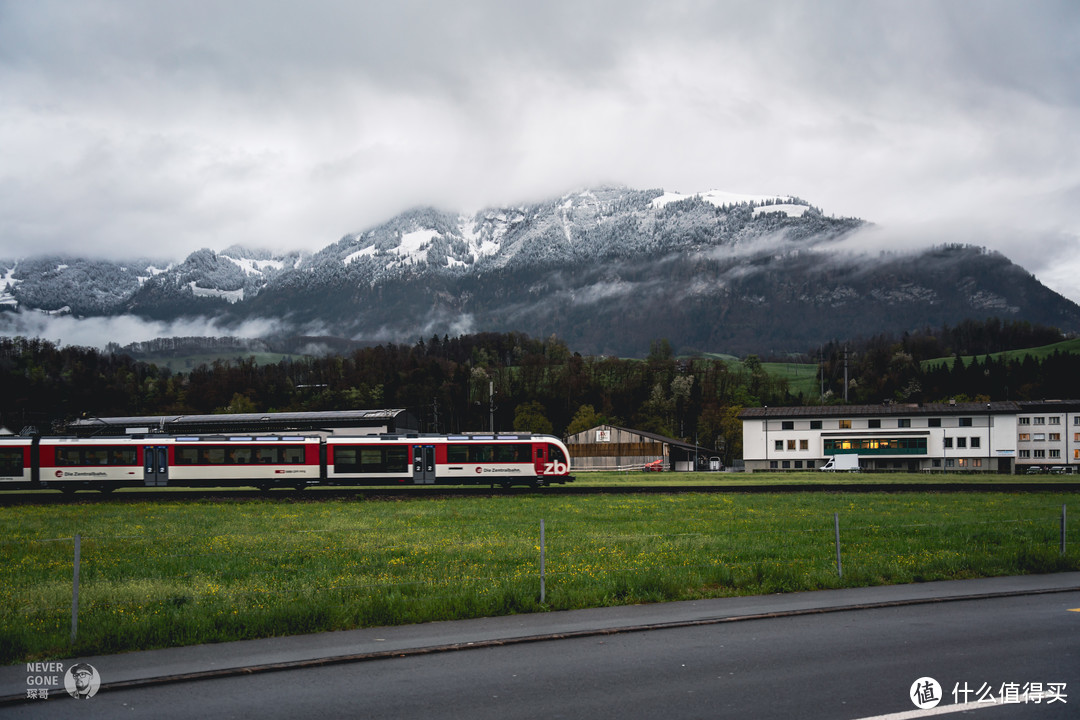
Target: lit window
x=845, y=424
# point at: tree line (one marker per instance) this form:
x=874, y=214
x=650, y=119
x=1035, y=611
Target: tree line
x=512, y=381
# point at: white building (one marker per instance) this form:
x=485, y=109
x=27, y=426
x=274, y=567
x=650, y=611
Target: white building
x=970, y=437
x=1048, y=434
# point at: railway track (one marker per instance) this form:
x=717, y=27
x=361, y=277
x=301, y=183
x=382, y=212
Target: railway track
x=50, y=497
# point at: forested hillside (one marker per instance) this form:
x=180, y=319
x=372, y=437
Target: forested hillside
x=539, y=385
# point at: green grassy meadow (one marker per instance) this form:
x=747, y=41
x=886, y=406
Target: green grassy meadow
x=168, y=573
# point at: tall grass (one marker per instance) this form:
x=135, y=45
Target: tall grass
x=174, y=573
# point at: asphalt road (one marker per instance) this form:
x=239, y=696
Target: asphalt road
x=857, y=663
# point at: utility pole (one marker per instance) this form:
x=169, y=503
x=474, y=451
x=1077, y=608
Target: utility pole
x=845, y=376
x=491, y=404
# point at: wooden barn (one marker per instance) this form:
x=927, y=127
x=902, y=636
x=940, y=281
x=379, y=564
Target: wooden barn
x=609, y=447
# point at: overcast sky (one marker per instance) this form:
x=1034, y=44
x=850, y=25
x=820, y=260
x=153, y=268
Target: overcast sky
x=156, y=128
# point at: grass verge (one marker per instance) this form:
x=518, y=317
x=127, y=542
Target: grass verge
x=173, y=573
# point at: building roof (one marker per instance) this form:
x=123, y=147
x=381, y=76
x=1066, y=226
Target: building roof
x=397, y=419
x=893, y=409
x=651, y=436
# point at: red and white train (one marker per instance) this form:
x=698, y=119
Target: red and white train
x=269, y=461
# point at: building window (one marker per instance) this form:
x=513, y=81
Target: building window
x=798, y=464
x=1055, y=419
x=1024, y=437
x=804, y=444
x=965, y=422
x=1040, y=437
x=977, y=462
x=950, y=463
x=788, y=425
x=1055, y=454
x=1055, y=437
x=961, y=442
x=903, y=422
x=873, y=424
x=786, y=465
x=948, y=442
x=779, y=445
x=815, y=424
x=809, y=464
x=773, y=465
x=1025, y=453
x=790, y=444
x=976, y=442
x=1039, y=454
x=845, y=424
x=962, y=462
x=1076, y=437
x=934, y=422
x=1040, y=421
x=1025, y=421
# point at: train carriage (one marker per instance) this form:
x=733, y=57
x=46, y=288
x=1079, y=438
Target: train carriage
x=262, y=461
x=102, y=463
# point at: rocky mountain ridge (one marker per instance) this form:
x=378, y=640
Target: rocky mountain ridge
x=607, y=269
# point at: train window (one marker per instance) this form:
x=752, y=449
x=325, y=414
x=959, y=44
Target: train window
x=187, y=456
x=539, y=453
x=293, y=454
x=397, y=459
x=238, y=456
x=556, y=454
x=266, y=455
x=123, y=456
x=68, y=456
x=213, y=456
x=11, y=462
x=345, y=459
x=372, y=459
x=480, y=453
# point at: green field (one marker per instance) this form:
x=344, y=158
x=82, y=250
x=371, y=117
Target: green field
x=173, y=573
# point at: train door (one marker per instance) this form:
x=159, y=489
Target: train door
x=423, y=464
x=155, y=466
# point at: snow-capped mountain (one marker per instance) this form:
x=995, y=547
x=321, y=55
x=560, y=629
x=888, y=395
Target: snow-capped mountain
x=608, y=269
